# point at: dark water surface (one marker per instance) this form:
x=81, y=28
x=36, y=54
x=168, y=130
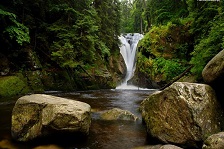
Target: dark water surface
x=102, y=135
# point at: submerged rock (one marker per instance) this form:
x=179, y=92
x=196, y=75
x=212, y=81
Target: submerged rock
x=118, y=114
x=184, y=114
x=39, y=115
x=215, y=141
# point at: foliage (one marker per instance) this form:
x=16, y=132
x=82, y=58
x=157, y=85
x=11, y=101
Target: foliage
x=161, y=12
x=126, y=17
x=165, y=49
x=15, y=30
x=11, y=86
x=169, y=68
x=209, y=46
x=108, y=20
x=188, y=32
x=75, y=35
x=168, y=41
x=160, y=69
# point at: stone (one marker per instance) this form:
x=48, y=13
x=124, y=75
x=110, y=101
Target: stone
x=39, y=115
x=184, y=114
x=214, y=70
x=167, y=146
x=213, y=74
x=118, y=114
x=215, y=141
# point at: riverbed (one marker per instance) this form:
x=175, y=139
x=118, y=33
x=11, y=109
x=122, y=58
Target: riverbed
x=103, y=134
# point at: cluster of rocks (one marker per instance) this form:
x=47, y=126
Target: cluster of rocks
x=39, y=115
x=189, y=114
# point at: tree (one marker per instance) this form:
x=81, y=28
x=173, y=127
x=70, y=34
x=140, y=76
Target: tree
x=75, y=33
x=108, y=12
x=126, y=17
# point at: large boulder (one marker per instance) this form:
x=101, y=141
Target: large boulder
x=215, y=141
x=118, y=114
x=39, y=115
x=213, y=74
x=184, y=114
x=214, y=70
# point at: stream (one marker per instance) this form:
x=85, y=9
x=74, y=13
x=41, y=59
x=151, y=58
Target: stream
x=103, y=134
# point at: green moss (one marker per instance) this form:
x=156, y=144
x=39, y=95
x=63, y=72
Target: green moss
x=11, y=86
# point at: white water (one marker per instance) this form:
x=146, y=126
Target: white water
x=128, y=49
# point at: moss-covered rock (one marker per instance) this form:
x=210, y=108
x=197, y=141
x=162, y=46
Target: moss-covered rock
x=215, y=141
x=214, y=70
x=12, y=85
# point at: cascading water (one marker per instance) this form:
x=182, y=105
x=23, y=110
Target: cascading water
x=128, y=49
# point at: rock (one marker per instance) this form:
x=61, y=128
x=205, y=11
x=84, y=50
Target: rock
x=215, y=141
x=39, y=115
x=118, y=114
x=213, y=74
x=214, y=70
x=168, y=146
x=184, y=114
x=6, y=144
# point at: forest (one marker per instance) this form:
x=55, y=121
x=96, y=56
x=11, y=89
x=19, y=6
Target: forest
x=178, y=34
x=81, y=36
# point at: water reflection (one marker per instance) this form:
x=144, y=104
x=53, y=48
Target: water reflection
x=103, y=134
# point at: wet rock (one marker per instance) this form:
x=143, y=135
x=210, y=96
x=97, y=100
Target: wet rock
x=214, y=70
x=118, y=114
x=184, y=114
x=39, y=115
x=215, y=141
x=168, y=146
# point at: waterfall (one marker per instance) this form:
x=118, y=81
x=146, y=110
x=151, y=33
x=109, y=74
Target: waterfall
x=128, y=49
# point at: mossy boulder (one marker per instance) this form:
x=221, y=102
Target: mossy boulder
x=184, y=114
x=12, y=85
x=214, y=70
x=213, y=74
x=215, y=141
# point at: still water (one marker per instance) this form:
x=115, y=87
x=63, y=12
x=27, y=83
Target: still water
x=102, y=135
